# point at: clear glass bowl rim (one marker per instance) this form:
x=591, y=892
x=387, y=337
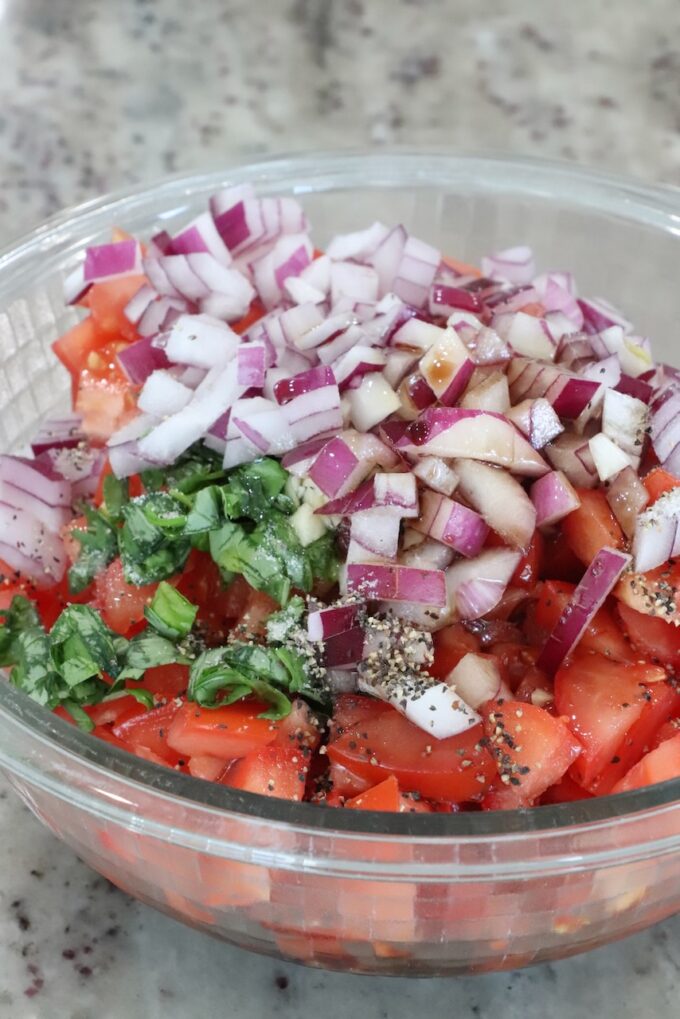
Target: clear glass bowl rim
x=62, y=235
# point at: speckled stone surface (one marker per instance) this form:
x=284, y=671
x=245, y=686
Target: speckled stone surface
x=97, y=94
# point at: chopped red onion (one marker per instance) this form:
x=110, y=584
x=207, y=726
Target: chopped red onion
x=599, y=314
x=140, y=359
x=161, y=314
x=108, y=261
x=625, y=420
x=29, y=547
x=201, y=235
x=387, y=258
x=476, y=586
x=554, y=498
x=390, y=582
x=627, y=497
x=138, y=304
x=357, y=362
x=590, y=594
x=447, y=367
x=527, y=335
x=75, y=285
x=516, y=265
x=445, y=299
x=609, y=459
x=37, y=477
x=476, y=678
x=162, y=394
x=342, y=649
x=490, y=394
x=251, y=362
x=415, y=334
x=332, y=621
x=451, y=523
x=635, y=387
x=556, y=293
x=657, y=532
x=303, y=382
x=571, y=454
x=537, y=420
x=371, y=402
x=288, y=257
x=360, y=282
x=435, y=708
x=500, y=499
x=374, y=536
x=58, y=433
x=299, y=291
x=315, y=413
x=359, y=245
x=394, y=492
x=51, y=517
x=416, y=272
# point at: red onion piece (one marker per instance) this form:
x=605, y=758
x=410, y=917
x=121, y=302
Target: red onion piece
x=359, y=245
x=554, y=498
x=52, y=518
x=479, y=435
x=571, y=454
x=527, y=335
x=162, y=394
x=389, y=582
x=477, y=680
x=200, y=235
x=75, y=285
x=251, y=361
x=360, y=282
x=37, y=478
x=452, y=524
x=387, y=257
x=444, y=299
x=138, y=304
x=356, y=363
x=160, y=315
x=635, y=387
x=288, y=257
x=590, y=594
x=396, y=492
x=598, y=314
x=329, y=622
x=416, y=272
x=201, y=341
x=108, y=261
x=437, y=474
x=500, y=499
x=140, y=359
x=627, y=497
x=315, y=413
x=477, y=585
x=490, y=394
x=58, y=433
x=343, y=649
x=303, y=382
x=625, y=420
x=657, y=532
x=29, y=547
x=447, y=367
x=374, y=536
x=516, y=265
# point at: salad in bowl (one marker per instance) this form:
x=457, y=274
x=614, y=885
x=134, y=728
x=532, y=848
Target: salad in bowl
x=366, y=526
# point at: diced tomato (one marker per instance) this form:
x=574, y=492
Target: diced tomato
x=301, y=728
x=658, y=765
x=533, y=751
x=257, y=611
x=344, y=783
x=150, y=731
x=536, y=688
x=72, y=545
x=120, y=604
x=514, y=661
x=450, y=645
x=228, y=733
x=601, y=699
x=74, y=347
x=107, y=302
x=104, y=405
x=219, y=605
x=384, y=796
x=654, y=638
x=668, y=730
x=662, y=702
x=115, y=711
x=255, y=312
x=658, y=482
x=271, y=771
x=166, y=681
x=559, y=562
x=603, y=633
x=592, y=526
x=461, y=268
x=530, y=565
x=534, y=308
x=565, y=791
x=380, y=742
x=206, y=767
x=655, y=593
x=104, y=732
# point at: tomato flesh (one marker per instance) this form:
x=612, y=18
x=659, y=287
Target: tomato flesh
x=150, y=732
x=658, y=765
x=228, y=733
x=603, y=633
x=120, y=604
x=654, y=638
x=270, y=771
x=592, y=526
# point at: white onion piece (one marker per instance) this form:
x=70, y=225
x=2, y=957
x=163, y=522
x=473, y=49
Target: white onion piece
x=500, y=499
x=537, y=420
x=624, y=421
x=475, y=586
x=554, y=498
x=477, y=679
x=657, y=532
x=609, y=459
x=435, y=708
x=590, y=594
x=437, y=474
x=201, y=341
x=372, y=402
x=162, y=395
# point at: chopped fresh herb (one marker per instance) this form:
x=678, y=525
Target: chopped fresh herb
x=98, y=546
x=198, y=467
x=20, y=617
x=282, y=624
x=144, y=697
x=83, y=647
x=170, y=613
x=116, y=496
x=147, y=650
x=79, y=716
x=255, y=489
x=151, y=541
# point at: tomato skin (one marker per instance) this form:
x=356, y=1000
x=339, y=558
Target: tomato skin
x=379, y=742
x=73, y=349
x=592, y=526
x=559, y=562
x=344, y=783
x=228, y=733
x=603, y=633
x=385, y=796
x=150, y=732
x=450, y=645
x=651, y=636
x=530, y=566
x=668, y=730
x=107, y=302
x=601, y=700
x=164, y=681
x=270, y=771
x=565, y=791
x=661, y=704
x=120, y=604
x=523, y=736
x=658, y=765
x=115, y=711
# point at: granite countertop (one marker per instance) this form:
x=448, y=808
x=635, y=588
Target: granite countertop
x=102, y=93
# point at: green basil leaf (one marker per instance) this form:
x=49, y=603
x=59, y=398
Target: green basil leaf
x=170, y=613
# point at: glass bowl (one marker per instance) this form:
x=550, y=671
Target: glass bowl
x=368, y=892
